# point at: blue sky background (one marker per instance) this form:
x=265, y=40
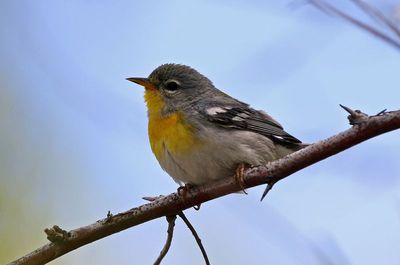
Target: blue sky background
x=73, y=131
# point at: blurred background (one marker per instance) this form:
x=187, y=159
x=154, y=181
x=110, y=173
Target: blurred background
x=73, y=131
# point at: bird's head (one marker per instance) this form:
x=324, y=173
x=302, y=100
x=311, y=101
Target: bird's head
x=172, y=87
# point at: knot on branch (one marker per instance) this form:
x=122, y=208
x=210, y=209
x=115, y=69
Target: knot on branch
x=356, y=116
x=56, y=234
x=109, y=218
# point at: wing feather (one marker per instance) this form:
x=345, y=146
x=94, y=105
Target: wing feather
x=246, y=118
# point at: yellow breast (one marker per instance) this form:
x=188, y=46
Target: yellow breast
x=170, y=132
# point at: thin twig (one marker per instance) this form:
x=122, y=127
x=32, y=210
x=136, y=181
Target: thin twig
x=196, y=236
x=173, y=203
x=170, y=233
x=267, y=190
x=189, y=225
x=328, y=8
x=375, y=13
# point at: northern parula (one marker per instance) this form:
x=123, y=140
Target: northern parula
x=199, y=134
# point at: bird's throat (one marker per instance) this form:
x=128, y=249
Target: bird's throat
x=167, y=132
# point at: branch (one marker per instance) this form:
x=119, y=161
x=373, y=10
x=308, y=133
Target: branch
x=170, y=232
x=191, y=228
x=196, y=236
x=376, y=14
x=330, y=9
x=173, y=203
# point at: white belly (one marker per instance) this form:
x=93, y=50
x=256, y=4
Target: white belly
x=218, y=156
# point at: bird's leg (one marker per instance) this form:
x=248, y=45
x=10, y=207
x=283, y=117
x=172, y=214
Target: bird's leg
x=183, y=190
x=239, y=173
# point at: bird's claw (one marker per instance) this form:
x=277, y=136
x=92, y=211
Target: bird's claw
x=183, y=191
x=239, y=174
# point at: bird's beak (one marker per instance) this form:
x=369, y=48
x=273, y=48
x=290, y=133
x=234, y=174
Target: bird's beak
x=143, y=82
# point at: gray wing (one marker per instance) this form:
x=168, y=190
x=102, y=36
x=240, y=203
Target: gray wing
x=246, y=118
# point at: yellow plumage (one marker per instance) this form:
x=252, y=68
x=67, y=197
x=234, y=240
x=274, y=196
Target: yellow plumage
x=167, y=132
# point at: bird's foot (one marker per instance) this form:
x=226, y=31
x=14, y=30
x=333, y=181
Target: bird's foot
x=239, y=174
x=183, y=191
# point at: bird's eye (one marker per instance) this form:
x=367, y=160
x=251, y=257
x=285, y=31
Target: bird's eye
x=172, y=86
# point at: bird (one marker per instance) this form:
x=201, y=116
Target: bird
x=200, y=134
